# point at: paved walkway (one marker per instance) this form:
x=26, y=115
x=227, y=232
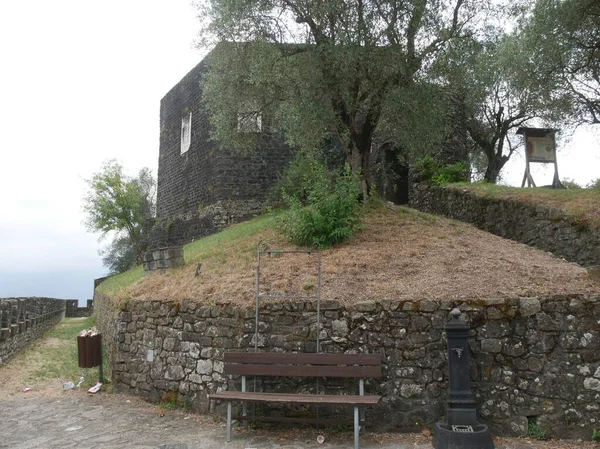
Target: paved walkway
x=77, y=420
x=106, y=421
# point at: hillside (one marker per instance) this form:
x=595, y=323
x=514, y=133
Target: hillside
x=401, y=254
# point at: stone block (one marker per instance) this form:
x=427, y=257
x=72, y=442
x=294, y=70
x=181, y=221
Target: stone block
x=529, y=306
x=491, y=345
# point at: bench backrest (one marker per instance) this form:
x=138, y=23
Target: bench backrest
x=302, y=365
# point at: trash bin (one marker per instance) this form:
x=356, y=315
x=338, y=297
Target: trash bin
x=89, y=350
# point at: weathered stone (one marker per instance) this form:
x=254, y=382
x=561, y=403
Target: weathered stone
x=168, y=344
x=410, y=390
x=204, y=367
x=174, y=372
x=529, y=306
x=591, y=383
x=340, y=327
x=491, y=345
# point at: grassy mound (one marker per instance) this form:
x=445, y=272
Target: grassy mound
x=401, y=254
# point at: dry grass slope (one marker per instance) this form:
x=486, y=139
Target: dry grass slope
x=581, y=204
x=401, y=254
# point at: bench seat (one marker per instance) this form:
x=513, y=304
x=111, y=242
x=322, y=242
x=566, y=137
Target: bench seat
x=318, y=365
x=290, y=398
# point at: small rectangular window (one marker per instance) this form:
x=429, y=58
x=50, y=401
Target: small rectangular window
x=186, y=132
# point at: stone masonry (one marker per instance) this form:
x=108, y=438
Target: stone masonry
x=531, y=358
x=545, y=228
x=163, y=258
x=23, y=320
x=207, y=174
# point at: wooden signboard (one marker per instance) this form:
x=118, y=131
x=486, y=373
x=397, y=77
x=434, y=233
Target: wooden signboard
x=540, y=146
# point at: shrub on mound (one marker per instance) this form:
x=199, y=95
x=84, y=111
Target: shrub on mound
x=324, y=210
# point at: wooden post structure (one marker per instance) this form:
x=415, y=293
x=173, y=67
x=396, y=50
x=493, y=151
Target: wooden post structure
x=540, y=146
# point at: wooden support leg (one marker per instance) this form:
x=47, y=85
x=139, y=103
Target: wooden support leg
x=229, y=421
x=356, y=427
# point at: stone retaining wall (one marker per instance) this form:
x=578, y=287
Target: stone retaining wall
x=545, y=228
x=183, y=229
x=163, y=258
x=23, y=320
x=532, y=358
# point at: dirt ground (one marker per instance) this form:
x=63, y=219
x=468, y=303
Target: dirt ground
x=401, y=254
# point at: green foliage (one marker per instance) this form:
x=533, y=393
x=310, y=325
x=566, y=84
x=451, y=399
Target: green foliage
x=594, y=185
x=596, y=435
x=535, y=431
x=432, y=172
x=326, y=71
x=328, y=213
x=570, y=184
x=561, y=40
x=119, y=255
x=118, y=203
x=294, y=178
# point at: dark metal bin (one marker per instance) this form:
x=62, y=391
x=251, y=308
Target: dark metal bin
x=89, y=350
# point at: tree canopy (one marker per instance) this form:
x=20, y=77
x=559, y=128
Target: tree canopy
x=324, y=73
x=563, y=37
x=119, y=203
x=345, y=74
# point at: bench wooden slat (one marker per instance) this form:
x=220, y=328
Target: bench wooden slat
x=302, y=370
x=296, y=398
x=302, y=359
x=288, y=419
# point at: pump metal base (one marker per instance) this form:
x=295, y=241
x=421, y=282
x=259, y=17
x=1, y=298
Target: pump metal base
x=476, y=437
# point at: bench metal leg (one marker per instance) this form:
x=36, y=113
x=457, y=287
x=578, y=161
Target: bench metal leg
x=356, y=427
x=361, y=391
x=244, y=404
x=228, y=421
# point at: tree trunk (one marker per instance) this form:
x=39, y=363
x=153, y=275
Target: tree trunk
x=495, y=164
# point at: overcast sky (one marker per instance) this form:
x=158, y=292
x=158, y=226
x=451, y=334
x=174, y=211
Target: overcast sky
x=81, y=82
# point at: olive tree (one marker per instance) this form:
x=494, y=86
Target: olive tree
x=323, y=72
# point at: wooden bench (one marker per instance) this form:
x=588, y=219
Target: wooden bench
x=358, y=366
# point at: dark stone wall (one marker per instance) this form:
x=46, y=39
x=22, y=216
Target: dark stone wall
x=163, y=258
x=23, y=320
x=207, y=173
x=211, y=219
x=530, y=357
x=543, y=227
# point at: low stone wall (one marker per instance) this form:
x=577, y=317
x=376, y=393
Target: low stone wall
x=107, y=313
x=531, y=358
x=74, y=311
x=23, y=320
x=163, y=258
x=545, y=228
x=209, y=220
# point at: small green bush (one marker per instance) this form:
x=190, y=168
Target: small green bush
x=535, y=431
x=294, y=178
x=432, y=172
x=323, y=210
x=570, y=184
x=596, y=435
x=595, y=185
